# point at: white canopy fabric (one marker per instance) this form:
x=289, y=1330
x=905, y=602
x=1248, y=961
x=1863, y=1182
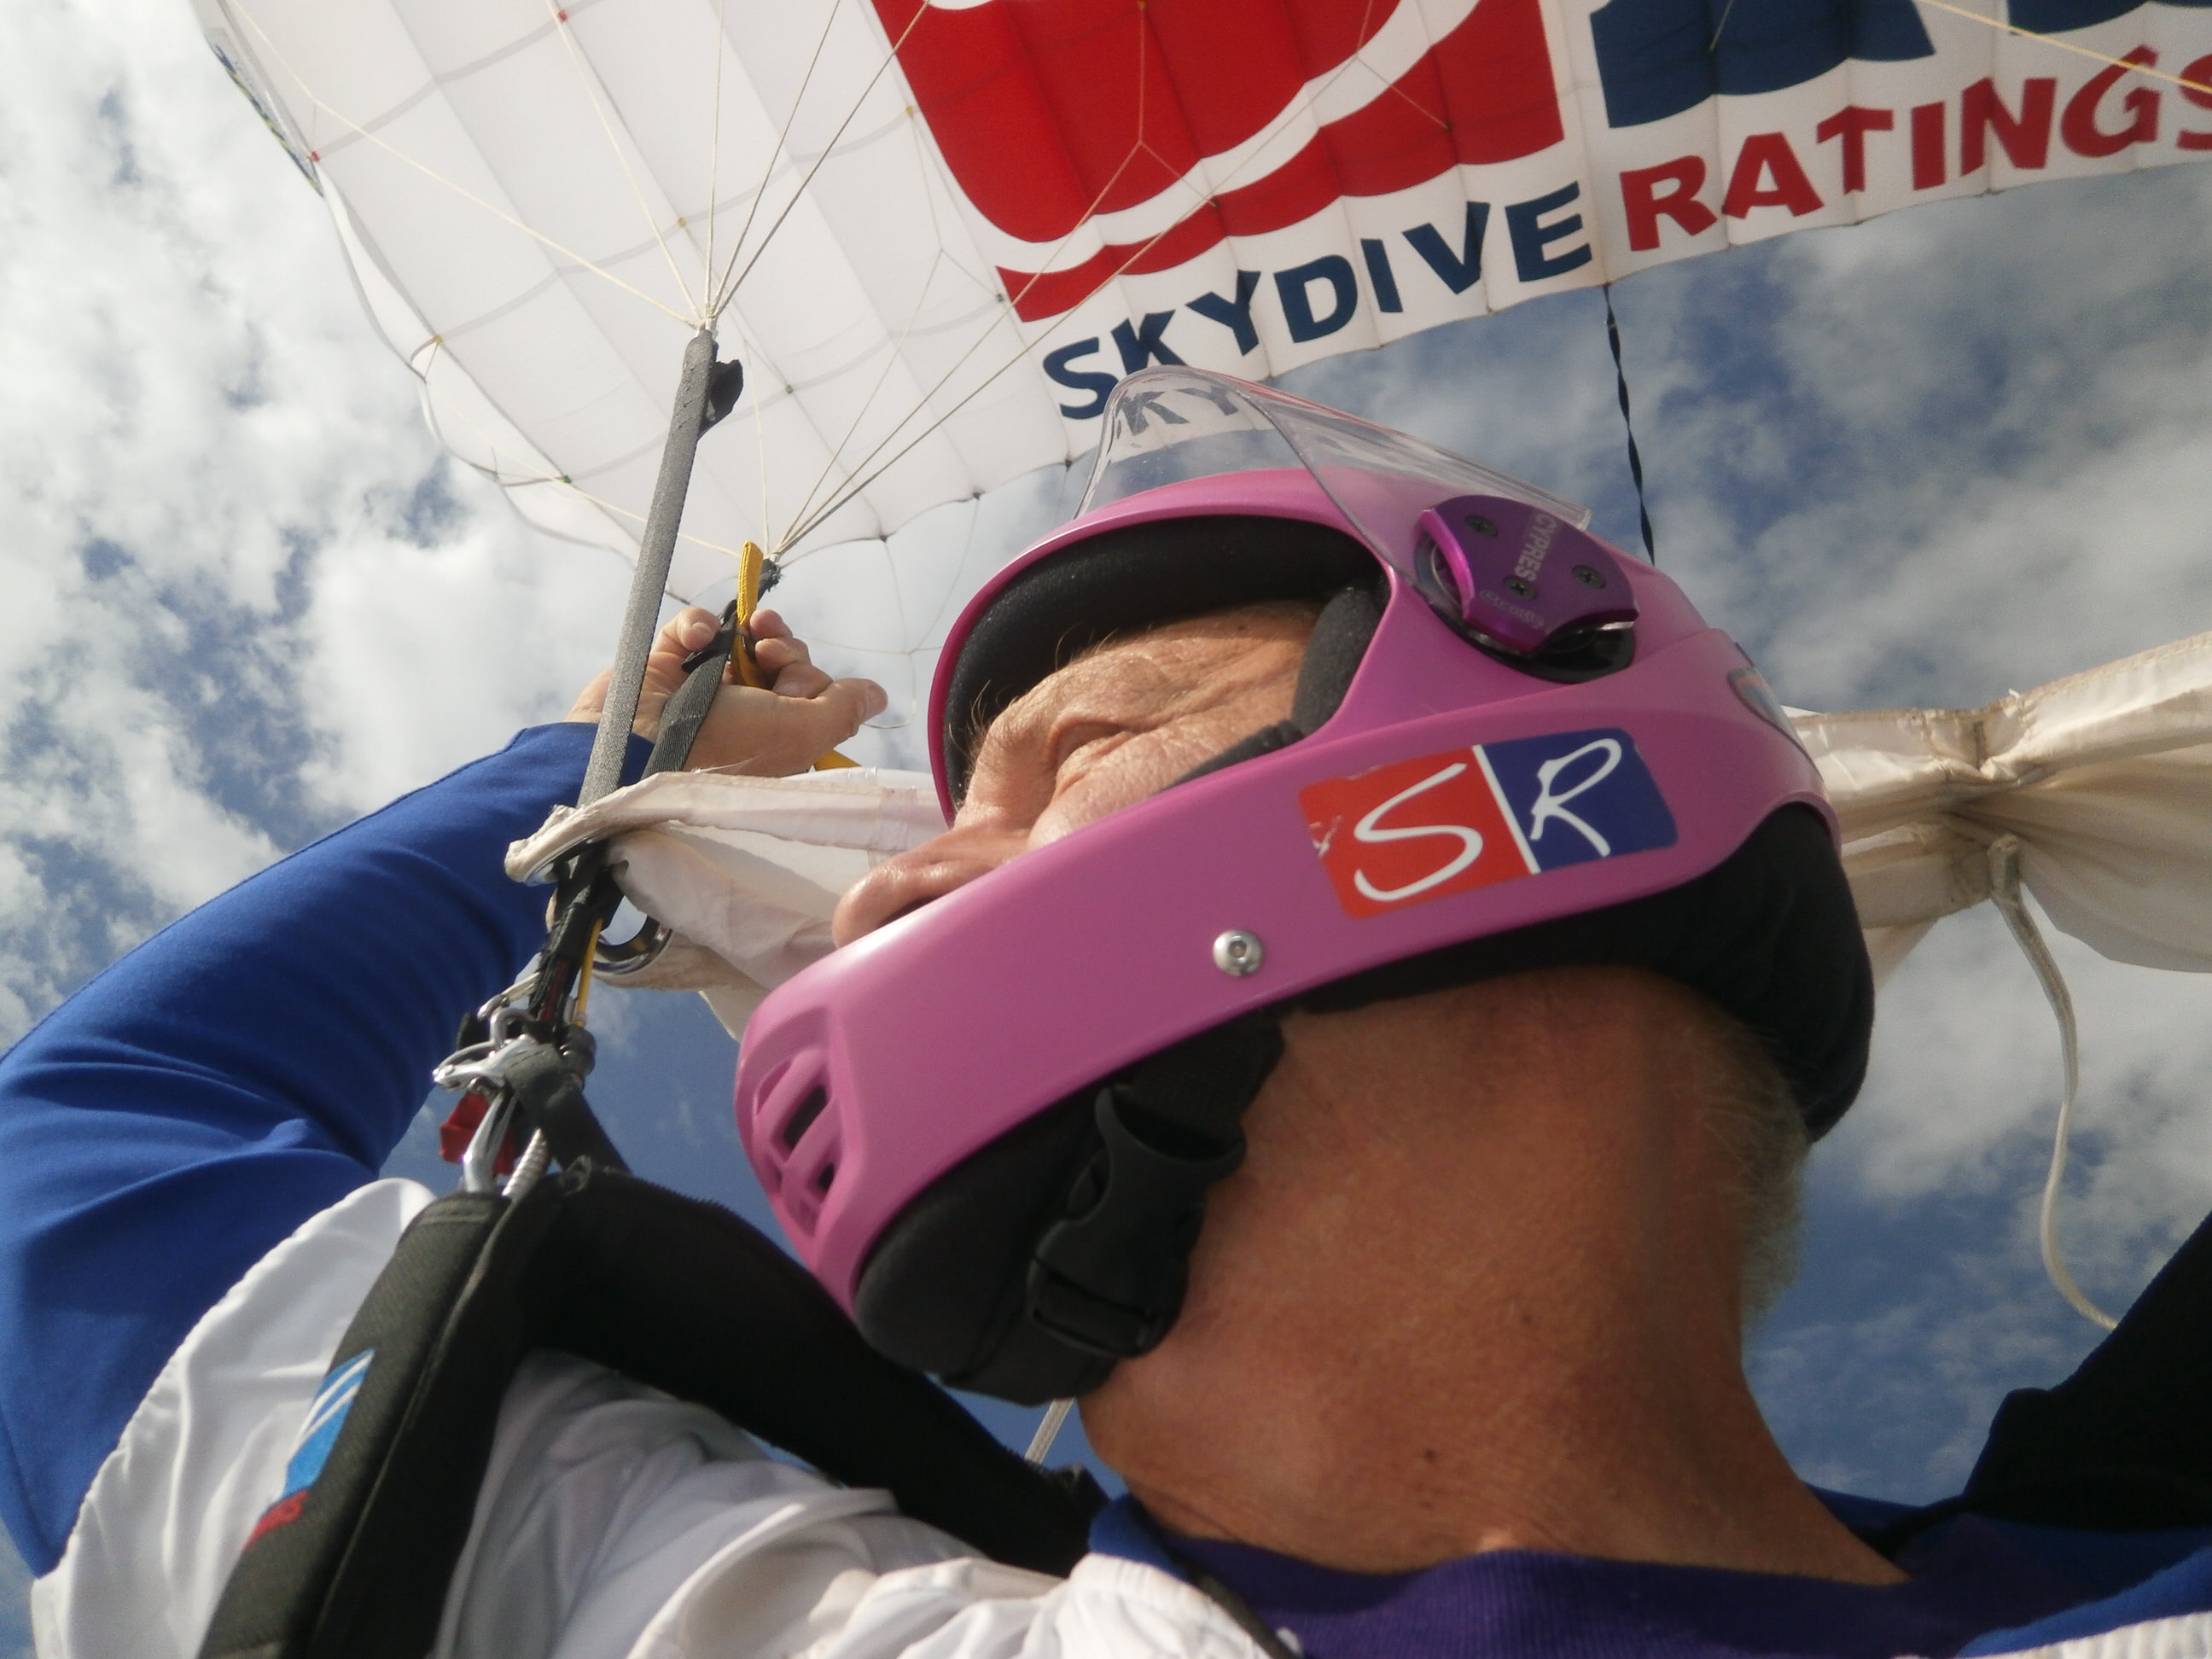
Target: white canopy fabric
x=2092, y=792
x=2105, y=777
x=746, y=870
x=936, y=234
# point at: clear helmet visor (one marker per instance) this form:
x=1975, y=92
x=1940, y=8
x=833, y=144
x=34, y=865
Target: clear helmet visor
x=1510, y=565
x=1166, y=426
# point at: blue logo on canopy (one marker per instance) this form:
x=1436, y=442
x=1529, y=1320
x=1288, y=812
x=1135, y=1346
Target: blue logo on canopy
x=1659, y=58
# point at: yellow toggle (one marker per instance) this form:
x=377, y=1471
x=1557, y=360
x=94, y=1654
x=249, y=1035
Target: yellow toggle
x=749, y=562
x=749, y=575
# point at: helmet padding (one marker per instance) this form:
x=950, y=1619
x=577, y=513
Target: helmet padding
x=1128, y=581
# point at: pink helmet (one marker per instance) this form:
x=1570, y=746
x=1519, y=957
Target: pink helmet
x=989, y=1125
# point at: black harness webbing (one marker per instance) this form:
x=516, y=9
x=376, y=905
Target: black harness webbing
x=674, y=1292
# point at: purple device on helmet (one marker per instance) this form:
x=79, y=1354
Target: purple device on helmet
x=1538, y=727
x=1519, y=575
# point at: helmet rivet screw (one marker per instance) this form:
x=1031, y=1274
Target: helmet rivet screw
x=1481, y=525
x=1520, y=587
x=1238, y=953
x=1587, y=577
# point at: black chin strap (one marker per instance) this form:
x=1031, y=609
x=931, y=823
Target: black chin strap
x=1108, y=1277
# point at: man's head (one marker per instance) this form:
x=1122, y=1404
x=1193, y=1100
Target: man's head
x=1227, y=761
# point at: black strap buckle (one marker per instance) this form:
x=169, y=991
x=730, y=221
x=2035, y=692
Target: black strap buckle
x=1109, y=1279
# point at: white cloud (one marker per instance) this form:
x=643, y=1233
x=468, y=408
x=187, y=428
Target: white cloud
x=246, y=597
x=1955, y=451
x=423, y=653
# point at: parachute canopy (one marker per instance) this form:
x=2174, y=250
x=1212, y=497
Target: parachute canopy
x=938, y=233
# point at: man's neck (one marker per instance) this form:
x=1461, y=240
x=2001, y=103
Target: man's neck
x=1508, y=1318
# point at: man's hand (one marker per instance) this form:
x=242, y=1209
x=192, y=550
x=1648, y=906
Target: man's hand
x=762, y=734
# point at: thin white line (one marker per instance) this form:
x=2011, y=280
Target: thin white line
x=2004, y=888
x=890, y=355
x=720, y=293
x=612, y=507
x=1713, y=45
x=2066, y=46
x=347, y=1373
x=714, y=144
x=1505, y=810
x=329, y=1407
x=1047, y=1430
x=606, y=126
x=436, y=176
x=339, y=1388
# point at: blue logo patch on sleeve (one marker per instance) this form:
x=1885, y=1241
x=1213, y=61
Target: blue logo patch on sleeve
x=326, y=1415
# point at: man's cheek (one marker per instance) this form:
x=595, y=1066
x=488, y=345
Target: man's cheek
x=1085, y=803
x=1136, y=771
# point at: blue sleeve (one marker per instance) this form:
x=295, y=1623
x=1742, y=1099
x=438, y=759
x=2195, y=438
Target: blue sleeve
x=245, y=1068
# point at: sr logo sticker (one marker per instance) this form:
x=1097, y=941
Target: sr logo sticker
x=1443, y=823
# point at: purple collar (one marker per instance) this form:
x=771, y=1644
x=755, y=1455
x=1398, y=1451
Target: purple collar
x=1970, y=1578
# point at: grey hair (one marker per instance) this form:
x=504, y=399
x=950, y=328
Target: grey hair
x=1756, y=1112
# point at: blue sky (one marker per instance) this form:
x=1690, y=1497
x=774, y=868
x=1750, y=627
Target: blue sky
x=1920, y=462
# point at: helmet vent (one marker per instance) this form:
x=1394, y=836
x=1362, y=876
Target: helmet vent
x=803, y=1151
x=790, y=1141
x=802, y=1118
x=806, y=1182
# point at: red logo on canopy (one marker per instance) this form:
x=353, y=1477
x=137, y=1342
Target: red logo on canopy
x=1052, y=111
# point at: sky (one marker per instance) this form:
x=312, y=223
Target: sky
x=1960, y=450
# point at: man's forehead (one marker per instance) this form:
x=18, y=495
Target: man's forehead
x=1180, y=656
